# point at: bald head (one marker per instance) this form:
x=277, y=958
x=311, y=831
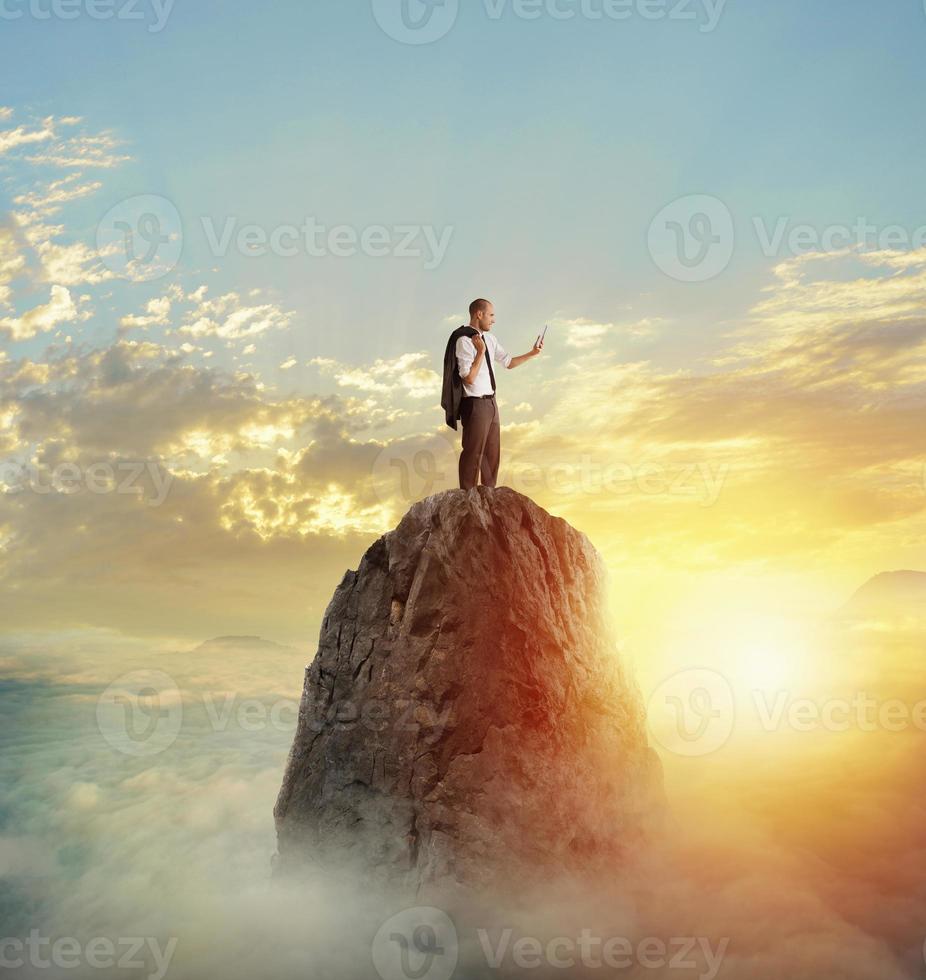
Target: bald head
x=481, y=314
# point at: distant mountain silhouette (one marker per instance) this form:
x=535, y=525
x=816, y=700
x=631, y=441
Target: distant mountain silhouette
x=239, y=644
x=890, y=595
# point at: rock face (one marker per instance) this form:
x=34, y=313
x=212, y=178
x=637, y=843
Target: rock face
x=467, y=720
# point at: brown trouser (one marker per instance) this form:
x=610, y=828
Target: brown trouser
x=481, y=442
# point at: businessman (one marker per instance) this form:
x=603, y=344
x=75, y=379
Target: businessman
x=469, y=392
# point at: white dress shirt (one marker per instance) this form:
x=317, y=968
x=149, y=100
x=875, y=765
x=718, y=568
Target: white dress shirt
x=466, y=354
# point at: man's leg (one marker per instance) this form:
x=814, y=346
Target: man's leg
x=476, y=416
x=492, y=451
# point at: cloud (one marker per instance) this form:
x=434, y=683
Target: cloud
x=157, y=313
x=12, y=263
x=698, y=467
x=60, y=308
x=583, y=333
x=10, y=139
x=797, y=437
x=750, y=852
x=408, y=374
x=228, y=317
x=56, y=256
x=228, y=480
x=88, y=810
x=94, y=151
x=804, y=422
x=48, y=199
x=71, y=265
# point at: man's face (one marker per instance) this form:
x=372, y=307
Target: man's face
x=486, y=318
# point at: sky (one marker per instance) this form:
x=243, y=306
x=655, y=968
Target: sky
x=234, y=238
x=767, y=369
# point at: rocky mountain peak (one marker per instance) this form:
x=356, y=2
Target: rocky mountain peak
x=467, y=719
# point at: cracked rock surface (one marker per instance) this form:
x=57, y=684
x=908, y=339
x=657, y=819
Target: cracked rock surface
x=467, y=719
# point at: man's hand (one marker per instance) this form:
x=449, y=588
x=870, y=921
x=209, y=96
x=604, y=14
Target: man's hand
x=479, y=344
x=524, y=358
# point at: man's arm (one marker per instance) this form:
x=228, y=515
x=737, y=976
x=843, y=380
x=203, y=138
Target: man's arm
x=524, y=358
x=463, y=359
x=471, y=377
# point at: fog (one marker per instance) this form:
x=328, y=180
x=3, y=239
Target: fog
x=786, y=854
